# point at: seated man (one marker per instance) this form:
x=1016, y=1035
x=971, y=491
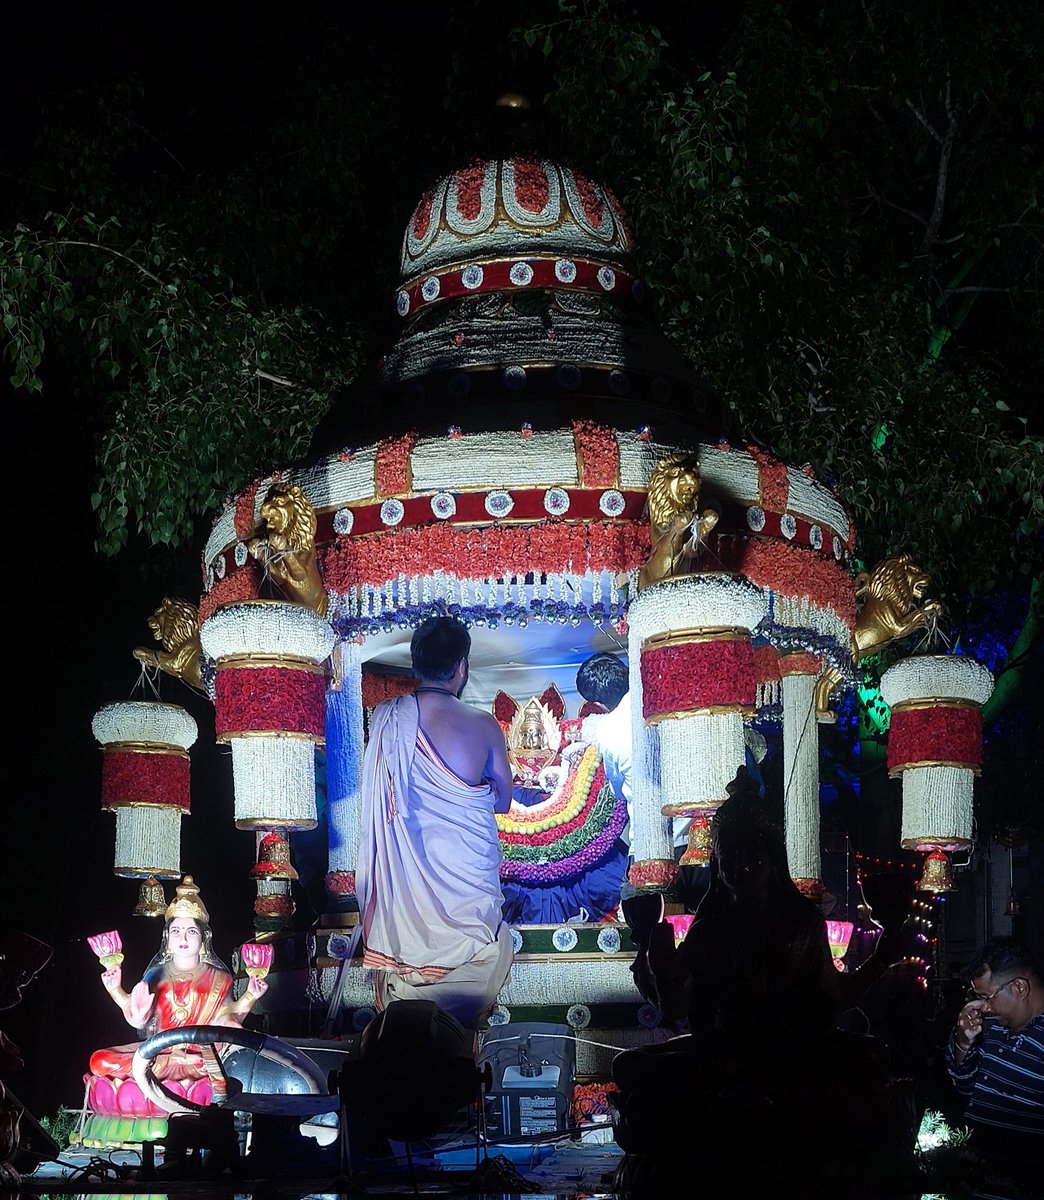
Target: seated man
x=998, y=1068
x=428, y=874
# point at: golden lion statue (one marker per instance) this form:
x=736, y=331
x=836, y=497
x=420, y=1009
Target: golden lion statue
x=890, y=593
x=287, y=551
x=175, y=625
x=677, y=532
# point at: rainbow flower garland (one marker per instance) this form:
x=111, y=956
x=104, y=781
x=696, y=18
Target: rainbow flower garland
x=532, y=825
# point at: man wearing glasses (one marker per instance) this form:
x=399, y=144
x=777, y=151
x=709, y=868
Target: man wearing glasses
x=995, y=1055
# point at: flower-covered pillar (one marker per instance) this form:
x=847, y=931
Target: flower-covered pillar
x=801, y=771
x=695, y=682
x=344, y=751
x=935, y=744
x=145, y=781
x=270, y=706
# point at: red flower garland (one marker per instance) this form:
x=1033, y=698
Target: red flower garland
x=773, y=484
x=241, y=584
x=130, y=777
x=269, y=699
x=800, y=664
x=532, y=189
x=766, y=663
x=244, y=514
x=468, y=183
x=378, y=687
x=691, y=675
x=392, y=468
x=480, y=553
x=273, y=906
x=793, y=571
x=340, y=883
x=939, y=734
x=598, y=454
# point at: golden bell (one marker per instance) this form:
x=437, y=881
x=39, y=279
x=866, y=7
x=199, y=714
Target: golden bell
x=273, y=859
x=697, y=852
x=152, y=901
x=936, y=876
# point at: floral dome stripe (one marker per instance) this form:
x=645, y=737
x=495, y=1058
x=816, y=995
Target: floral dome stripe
x=517, y=204
x=144, y=722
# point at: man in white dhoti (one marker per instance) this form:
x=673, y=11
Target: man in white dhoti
x=428, y=872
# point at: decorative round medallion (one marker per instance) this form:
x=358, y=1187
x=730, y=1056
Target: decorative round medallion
x=219, y=567
x=607, y=278
x=361, y=1018
x=649, y=1016
x=499, y=504
x=516, y=941
x=430, y=288
x=788, y=526
x=392, y=512
x=521, y=274
x=499, y=1015
x=661, y=389
x=514, y=378
x=210, y=579
x=343, y=521
x=611, y=502
x=569, y=376
x=556, y=501
x=241, y=554
x=443, y=506
x=578, y=1016
x=609, y=940
x=565, y=270
x=815, y=537
x=402, y=303
x=564, y=939
x=619, y=384
x=337, y=946
x=756, y=518
x=471, y=277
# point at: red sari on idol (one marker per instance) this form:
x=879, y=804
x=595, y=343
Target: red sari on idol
x=199, y=997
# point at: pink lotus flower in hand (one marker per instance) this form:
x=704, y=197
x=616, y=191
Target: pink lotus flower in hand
x=257, y=959
x=108, y=947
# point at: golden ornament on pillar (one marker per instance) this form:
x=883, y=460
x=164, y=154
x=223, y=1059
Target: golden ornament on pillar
x=175, y=625
x=273, y=859
x=677, y=528
x=152, y=900
x=697, y=852
x=937, y=876
x=890, y=595
x=287, y=548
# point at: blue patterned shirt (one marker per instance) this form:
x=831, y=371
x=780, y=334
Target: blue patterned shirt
x=1002, y=1077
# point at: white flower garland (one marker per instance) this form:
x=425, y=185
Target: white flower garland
x=148, y=842
x=801, y=776
x=937, y=806
x=267, y=627
x=945, y=676
x=144, y=721
x=274, y=782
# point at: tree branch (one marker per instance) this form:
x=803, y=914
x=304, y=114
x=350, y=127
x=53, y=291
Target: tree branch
x=108, y=250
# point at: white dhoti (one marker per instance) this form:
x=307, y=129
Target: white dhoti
x=428, y=873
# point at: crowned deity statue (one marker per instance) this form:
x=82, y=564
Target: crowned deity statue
x=185, y=984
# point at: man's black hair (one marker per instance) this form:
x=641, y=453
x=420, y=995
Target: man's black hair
x=602, y=678
x=1002, y=956
x=438, y=644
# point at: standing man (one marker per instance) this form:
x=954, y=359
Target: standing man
x=428, y=874
x=998, y=1067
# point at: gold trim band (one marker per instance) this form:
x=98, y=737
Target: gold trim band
x=259, y=823
x=226, y=738
x=896, y=771
x=696, y=635
x=935, y=843
x=932, y=702
x=113, y=805
x=146, y=748
x=714, y=710
x=292, y=662
x=694, y=808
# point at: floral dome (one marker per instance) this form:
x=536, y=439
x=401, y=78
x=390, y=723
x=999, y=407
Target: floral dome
x=517, y=206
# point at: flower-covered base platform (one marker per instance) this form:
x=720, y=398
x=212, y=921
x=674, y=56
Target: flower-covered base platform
x=102, y=1132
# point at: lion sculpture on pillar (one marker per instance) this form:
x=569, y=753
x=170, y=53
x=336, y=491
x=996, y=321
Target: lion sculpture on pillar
x=175, y=625
x=287, y=549
x=677, y=532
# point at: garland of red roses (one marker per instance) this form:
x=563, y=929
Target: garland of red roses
x=392, y=467
x=243, y=584
x=378, y=687
x=800, y=664
x=597, y=454
x=243, y=518
x=773, y=483
x=791, y=571
x=766, y=663
x=943, y=733
x=683, y=676
x=269, y=699
x=134, y=777
x=485, y=552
